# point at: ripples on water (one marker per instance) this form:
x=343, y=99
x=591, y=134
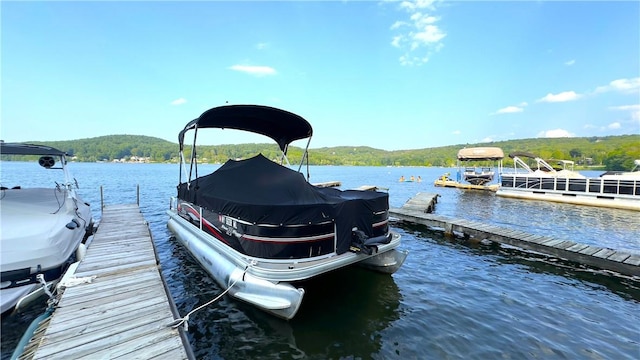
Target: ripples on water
x=450, y=300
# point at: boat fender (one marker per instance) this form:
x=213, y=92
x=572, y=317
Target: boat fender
x=80, y=252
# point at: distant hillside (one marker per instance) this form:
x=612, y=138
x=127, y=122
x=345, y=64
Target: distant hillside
x=111, y=147
x=611, y=152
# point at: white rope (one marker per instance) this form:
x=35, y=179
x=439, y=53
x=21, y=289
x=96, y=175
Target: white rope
x=45, y=286
x=73, y=281
x=184, y=321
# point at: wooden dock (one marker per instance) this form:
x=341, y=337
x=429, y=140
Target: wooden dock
x=417, y=210
x=455, y=184
x=121, y=307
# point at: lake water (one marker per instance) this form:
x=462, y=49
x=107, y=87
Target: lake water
x=450, y=300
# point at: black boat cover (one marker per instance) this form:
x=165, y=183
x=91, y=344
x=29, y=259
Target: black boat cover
x=260, y=191
x=27, y=149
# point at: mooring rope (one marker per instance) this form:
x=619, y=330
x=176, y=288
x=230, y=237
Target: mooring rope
x=45, y=286
x=184, y=321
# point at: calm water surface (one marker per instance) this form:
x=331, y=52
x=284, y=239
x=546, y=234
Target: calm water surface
x=450, y=299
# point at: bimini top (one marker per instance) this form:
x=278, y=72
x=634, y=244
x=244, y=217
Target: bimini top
x=522, y=154
x=280, y=125
x=480, y=153
x=28, y=149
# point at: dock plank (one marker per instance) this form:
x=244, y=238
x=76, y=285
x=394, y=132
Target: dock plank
x=619, y=256
x=551, y=242
x=590, y=250
x=577, y=247
x=74, y=326
x=604, y=253
x=633, y=260
x=141, y=347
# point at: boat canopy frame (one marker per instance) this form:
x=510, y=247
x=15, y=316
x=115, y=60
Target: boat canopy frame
x=540, y=163
x=280, y=125
x=70, y=183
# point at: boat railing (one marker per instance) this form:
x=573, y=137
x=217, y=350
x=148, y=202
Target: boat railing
x=596, y=186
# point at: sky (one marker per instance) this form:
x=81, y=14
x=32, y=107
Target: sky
x=391, y=75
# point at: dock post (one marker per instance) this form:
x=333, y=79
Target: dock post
x=101, y=199
x=138, y=194
x=448, y=229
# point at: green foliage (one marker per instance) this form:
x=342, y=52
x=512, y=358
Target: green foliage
x=612, y=152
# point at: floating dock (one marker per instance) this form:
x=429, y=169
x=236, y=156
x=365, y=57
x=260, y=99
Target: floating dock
x=454, y=184
x=119, y=306
x=417, y=210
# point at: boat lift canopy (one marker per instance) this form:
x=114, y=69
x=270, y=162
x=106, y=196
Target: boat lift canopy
x=480, y=153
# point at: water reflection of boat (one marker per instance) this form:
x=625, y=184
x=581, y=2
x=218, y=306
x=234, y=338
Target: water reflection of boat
x=562, y=184
x=361, y=302
x=42, y=227
x=477, y=167
x=373, y=306
x=258, y=227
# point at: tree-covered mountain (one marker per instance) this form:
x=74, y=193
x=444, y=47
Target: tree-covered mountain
x=611, y=152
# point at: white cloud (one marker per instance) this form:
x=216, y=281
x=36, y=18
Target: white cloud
x=560, y=97
x=487, y=139
x=634, y=110
x=555, y=133
x=509, y=110
x=413, y=5
x=614, y=125
x=427, y=35
x=456, y=132
x=398, y=24
x=570, y=62
x=254, y=70
x=628, y=86
x=418, y=36
x=625, y=107
x=179, y=101
x=261, y=46
x=396, y=41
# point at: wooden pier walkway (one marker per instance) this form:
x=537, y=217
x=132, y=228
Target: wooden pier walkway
x=417, y=210
x=122, y=309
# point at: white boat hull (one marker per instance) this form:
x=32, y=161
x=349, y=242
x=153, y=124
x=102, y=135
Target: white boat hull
x=42, y=225
x=266, y=283
x=10, y=297
x=614, y=202
x=619, y=192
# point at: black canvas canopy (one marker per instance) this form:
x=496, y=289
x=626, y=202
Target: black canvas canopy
x=28, y=149
x=522, y=154
x=259, y=191
x=280, y=125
